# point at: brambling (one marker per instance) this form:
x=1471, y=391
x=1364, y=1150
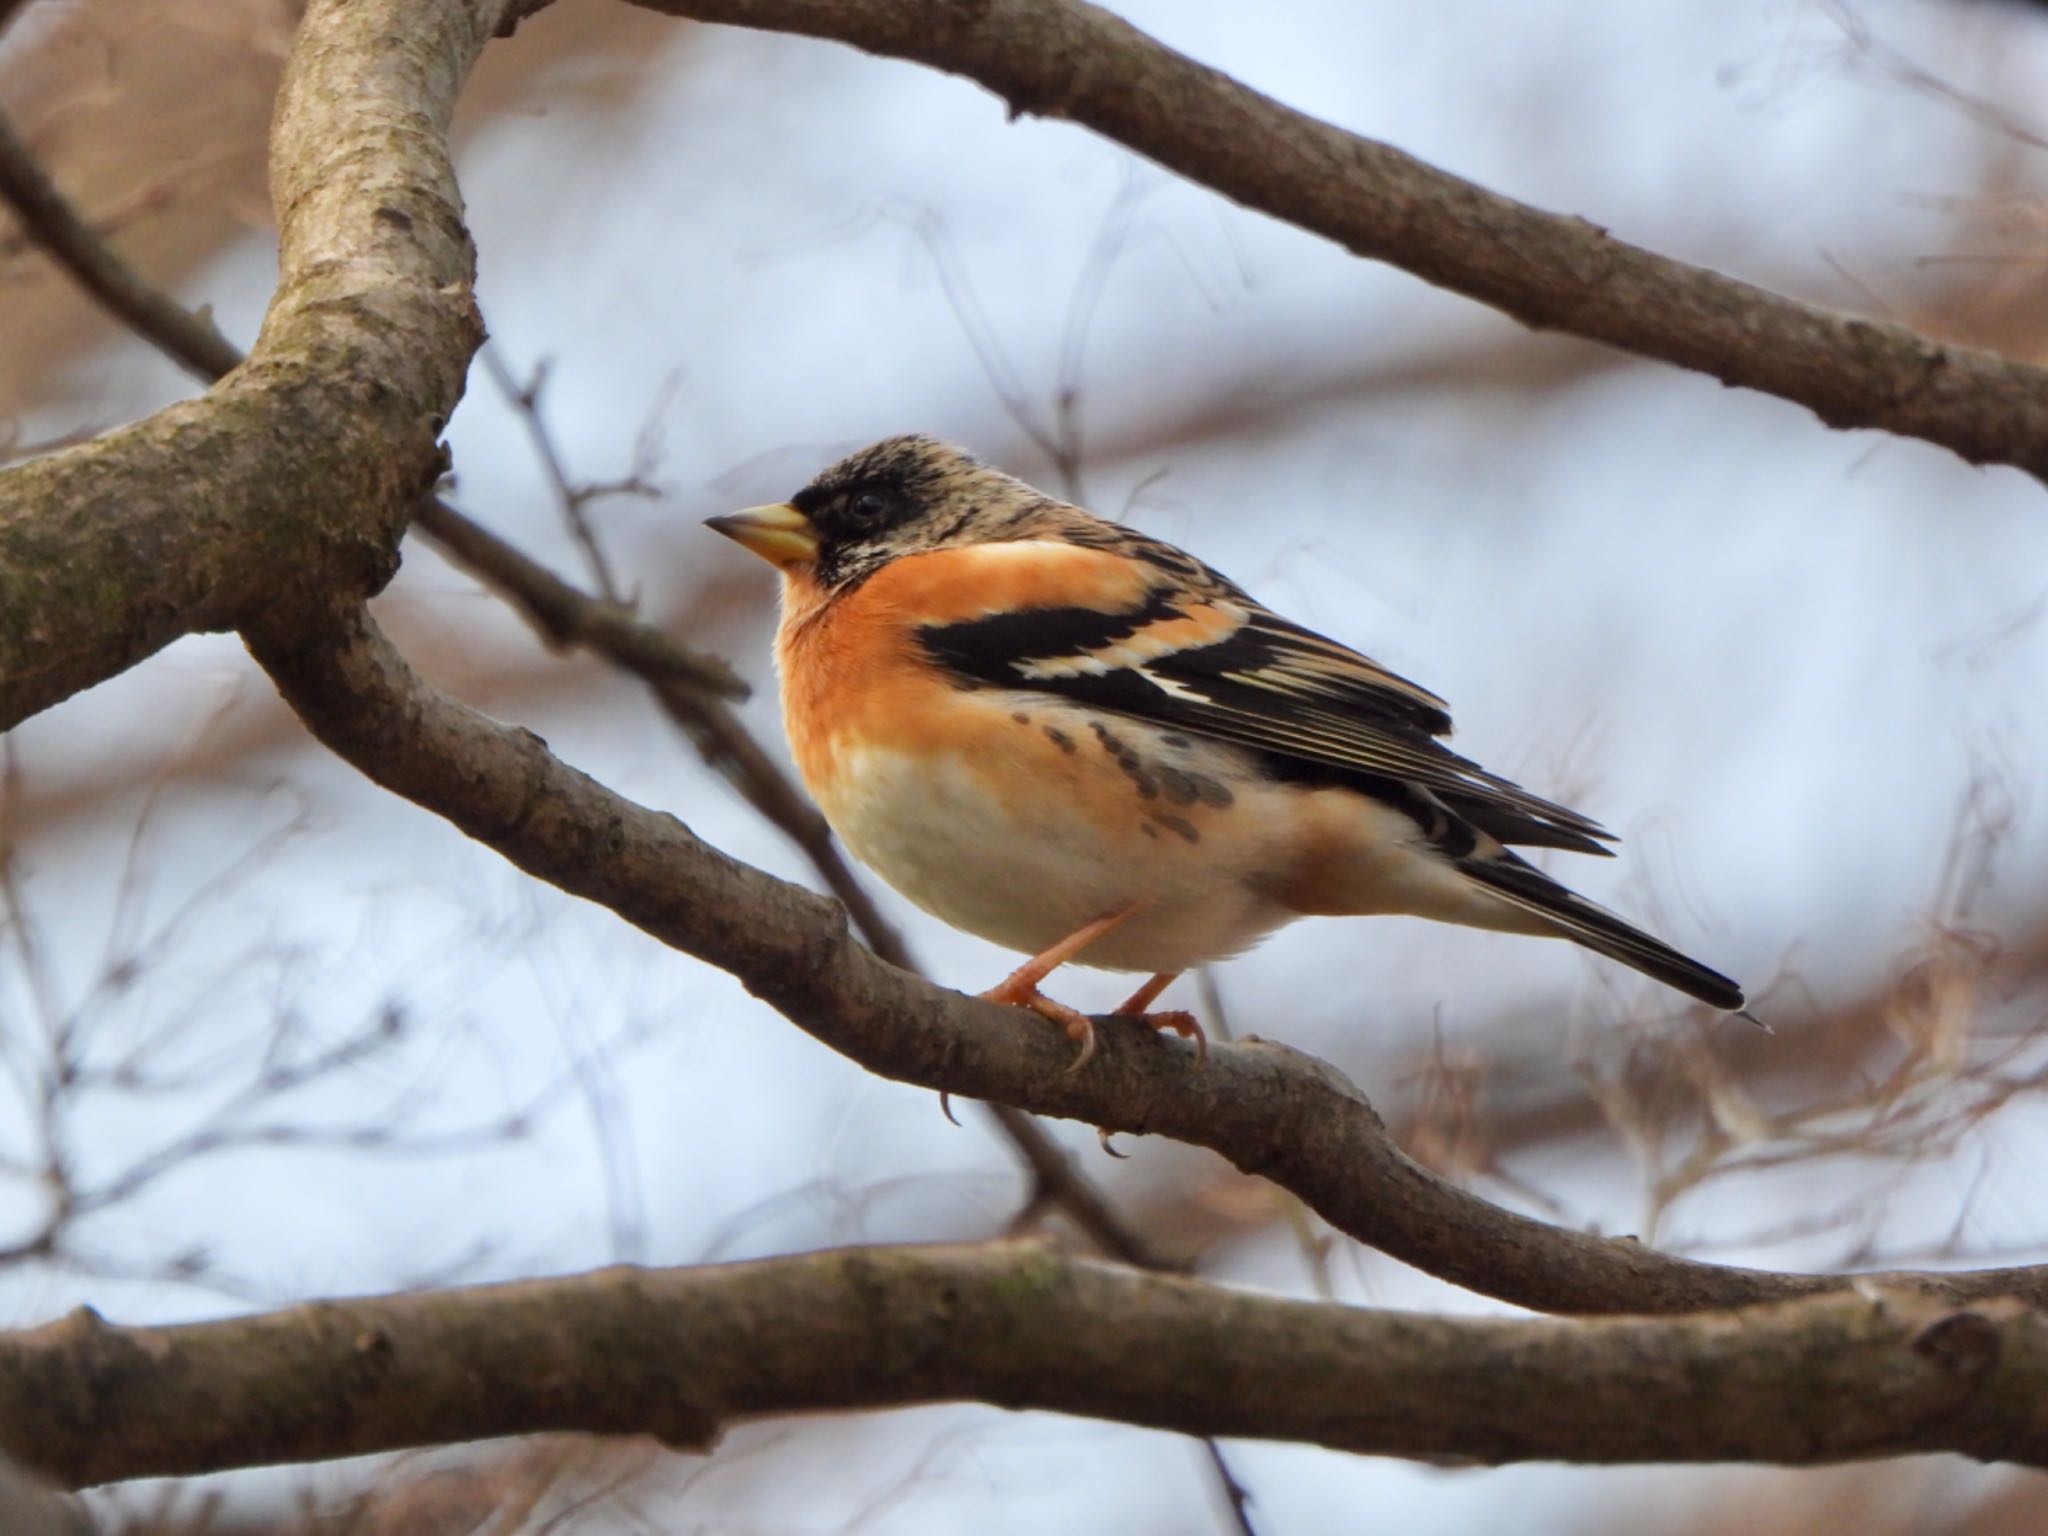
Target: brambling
x=1080, y=742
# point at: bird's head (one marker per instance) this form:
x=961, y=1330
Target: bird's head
x=898, y=497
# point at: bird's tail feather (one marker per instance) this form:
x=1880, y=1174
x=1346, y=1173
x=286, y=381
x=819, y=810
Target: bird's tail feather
x=1585, y=922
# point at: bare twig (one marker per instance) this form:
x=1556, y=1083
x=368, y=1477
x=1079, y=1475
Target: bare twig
x=685, y=683
x=238, y=500
x=1267, y=1108
x=121, y=1041
x=392, y=212
x=561, y=613
x=48, y=219
x=718, y=734
x=1862, y=47
x=569, y=618
x=728, y=746
x=361, y=697
x=1902, y=1073
x=574, y=498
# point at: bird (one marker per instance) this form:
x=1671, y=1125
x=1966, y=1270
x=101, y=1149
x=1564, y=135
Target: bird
x=1080, y=742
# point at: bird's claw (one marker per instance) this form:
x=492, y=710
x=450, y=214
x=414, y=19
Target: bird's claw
x=1181, y=1022
x=1079, y=1027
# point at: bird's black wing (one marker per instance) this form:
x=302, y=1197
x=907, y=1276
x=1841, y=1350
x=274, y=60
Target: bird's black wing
x=1207, y=659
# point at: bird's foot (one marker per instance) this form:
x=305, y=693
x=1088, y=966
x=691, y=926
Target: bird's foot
x=1181, y=1022
x=1020, y=991
x=1139, y=1006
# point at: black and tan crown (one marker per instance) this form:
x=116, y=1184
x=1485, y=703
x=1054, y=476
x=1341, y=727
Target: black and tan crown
x=905, y=495
x=897, y=497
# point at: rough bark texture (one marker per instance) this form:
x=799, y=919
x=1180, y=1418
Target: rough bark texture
x=295, y=476
x=682, y=1353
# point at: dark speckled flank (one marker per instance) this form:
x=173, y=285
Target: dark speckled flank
x=1133, y=766
x=1162, y=785
x=1183, y=788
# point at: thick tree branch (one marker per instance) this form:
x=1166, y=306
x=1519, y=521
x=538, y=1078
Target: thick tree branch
x=1069, y=59
x=297, y=473
x=1268, y=1109
x=681, y=1354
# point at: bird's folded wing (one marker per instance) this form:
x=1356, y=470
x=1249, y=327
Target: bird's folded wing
x=1209, y=660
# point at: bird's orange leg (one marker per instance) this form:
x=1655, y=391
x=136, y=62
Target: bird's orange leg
x=1179, y=1020
x=1020, y=987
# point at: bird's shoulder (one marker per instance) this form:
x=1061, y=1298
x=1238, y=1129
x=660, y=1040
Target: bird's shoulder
x=1077, y=597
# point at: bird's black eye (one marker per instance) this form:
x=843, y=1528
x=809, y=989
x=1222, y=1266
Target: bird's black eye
x=868, y=506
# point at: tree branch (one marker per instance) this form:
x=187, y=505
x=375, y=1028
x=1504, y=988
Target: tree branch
x=297, y=473
x=1069, y=59
x=682, y=1353
x=567, y=617
x=1268, y=1109
x=51, y=222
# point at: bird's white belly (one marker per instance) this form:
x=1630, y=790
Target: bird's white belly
x=1026, y=867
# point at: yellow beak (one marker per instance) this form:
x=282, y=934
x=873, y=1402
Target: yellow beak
x=780, y=534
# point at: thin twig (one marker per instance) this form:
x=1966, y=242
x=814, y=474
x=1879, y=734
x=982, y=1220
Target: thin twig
x=568, y=618
x=297, y=473
x=48, y=219
x=729, y=747
x=573, y=498
x=1270, y=1110
x=719, y=736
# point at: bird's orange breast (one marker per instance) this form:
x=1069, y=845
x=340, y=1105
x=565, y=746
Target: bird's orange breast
x=853, y=670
